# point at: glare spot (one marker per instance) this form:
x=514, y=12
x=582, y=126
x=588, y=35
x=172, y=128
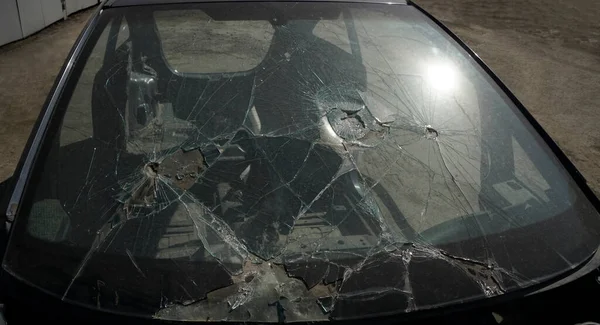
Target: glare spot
x=441, y=76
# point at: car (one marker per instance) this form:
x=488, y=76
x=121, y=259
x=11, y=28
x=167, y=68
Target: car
x=279, y=161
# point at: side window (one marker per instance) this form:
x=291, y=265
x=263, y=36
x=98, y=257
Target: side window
x=77, y=123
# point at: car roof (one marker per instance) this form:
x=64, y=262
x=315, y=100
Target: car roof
x=124, y=3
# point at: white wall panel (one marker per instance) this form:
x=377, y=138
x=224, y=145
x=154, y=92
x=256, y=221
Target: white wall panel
x=32, y=18
x=21, y=18
x=10, y=27
x=75, y=5
x=72, y=6
x=52, y=11
x=88, y=3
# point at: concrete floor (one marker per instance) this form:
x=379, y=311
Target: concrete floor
x=546, y=51
x=27, y=72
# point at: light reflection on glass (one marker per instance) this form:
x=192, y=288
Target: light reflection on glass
x=441, y=76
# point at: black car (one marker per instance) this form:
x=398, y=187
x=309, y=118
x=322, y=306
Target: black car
x=285, y=161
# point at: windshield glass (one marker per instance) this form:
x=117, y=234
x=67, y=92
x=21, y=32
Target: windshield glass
x=289, y=162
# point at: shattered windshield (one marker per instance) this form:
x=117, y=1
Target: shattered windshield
x=281, y=162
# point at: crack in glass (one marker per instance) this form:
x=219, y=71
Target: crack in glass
x=323, y=181
x=331, y=130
